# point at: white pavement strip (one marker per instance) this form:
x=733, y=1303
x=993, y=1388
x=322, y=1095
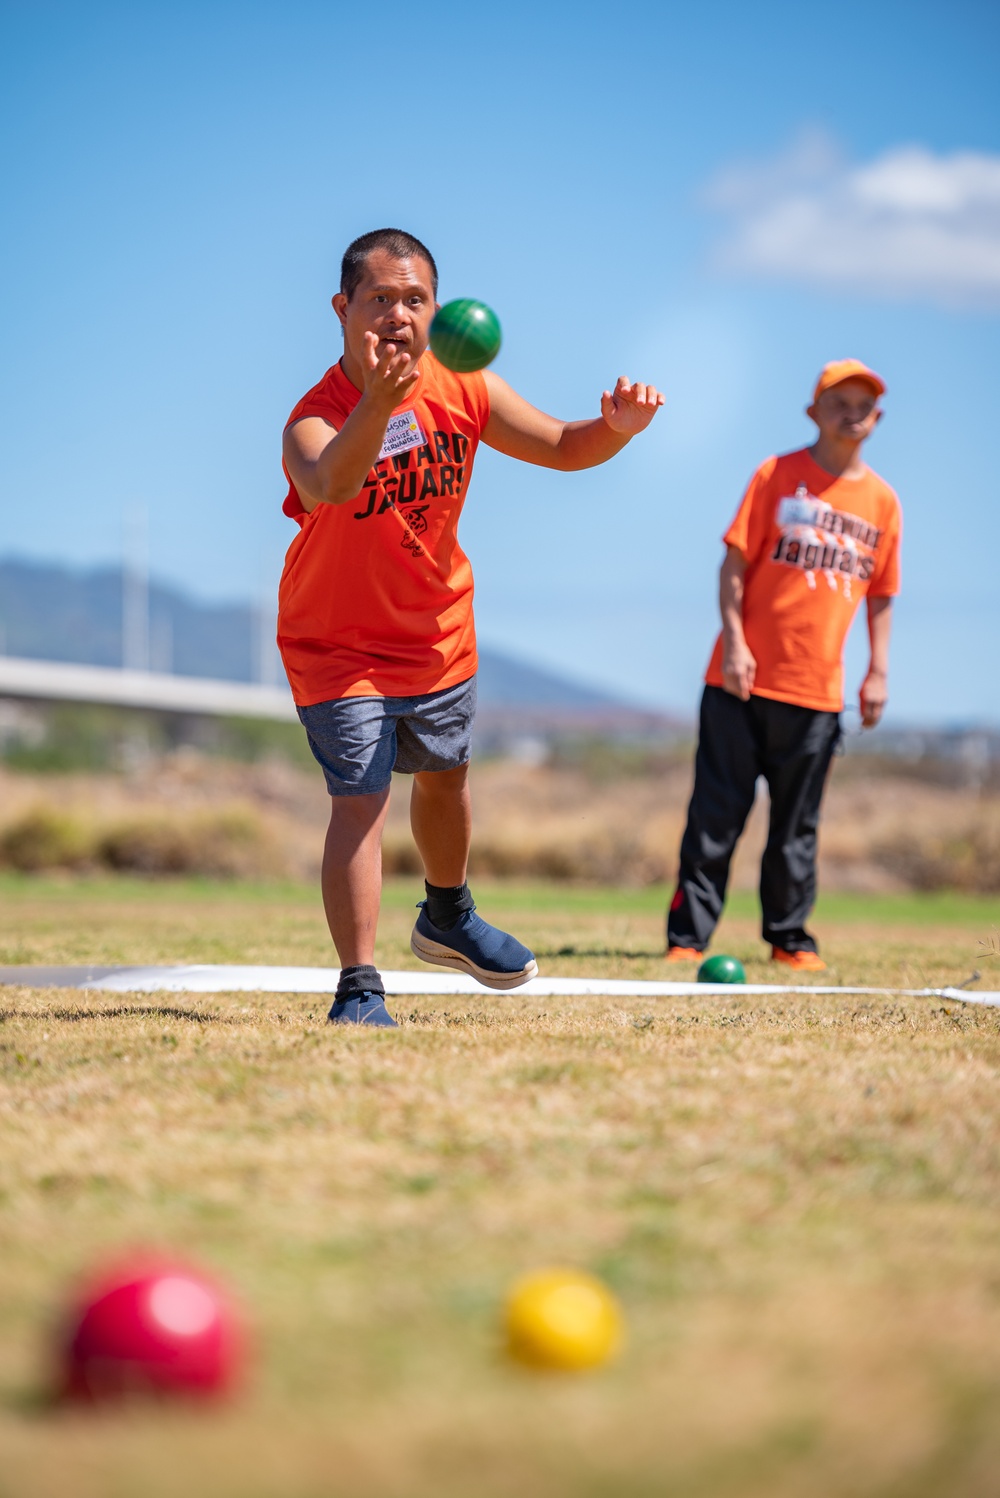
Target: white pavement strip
x=207, y=978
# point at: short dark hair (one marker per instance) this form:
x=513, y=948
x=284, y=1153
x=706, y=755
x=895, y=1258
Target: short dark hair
x=396, y=242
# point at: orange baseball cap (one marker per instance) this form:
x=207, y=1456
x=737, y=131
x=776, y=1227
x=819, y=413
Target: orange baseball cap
x=840, y=370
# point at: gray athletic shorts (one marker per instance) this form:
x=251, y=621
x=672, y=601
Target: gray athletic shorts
x=359, y=741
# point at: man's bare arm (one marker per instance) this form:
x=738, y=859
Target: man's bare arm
x=521, y=431
x=328, y=466
x=874, y=692
x=739, y=668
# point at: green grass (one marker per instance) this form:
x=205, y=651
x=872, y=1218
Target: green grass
x=904, y=941
x=942, y=907
x=797, y=1201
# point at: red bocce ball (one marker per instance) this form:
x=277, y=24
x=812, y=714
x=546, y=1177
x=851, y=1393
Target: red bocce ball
x=148, y=1328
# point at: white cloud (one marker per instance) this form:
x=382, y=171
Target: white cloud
x=908, y=224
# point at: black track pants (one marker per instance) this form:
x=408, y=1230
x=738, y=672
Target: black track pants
x=792, y=748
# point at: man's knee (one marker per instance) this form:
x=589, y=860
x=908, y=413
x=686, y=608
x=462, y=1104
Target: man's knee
x=442, y=783
x=358, y=811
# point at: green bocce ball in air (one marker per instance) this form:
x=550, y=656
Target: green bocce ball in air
x=465, y=335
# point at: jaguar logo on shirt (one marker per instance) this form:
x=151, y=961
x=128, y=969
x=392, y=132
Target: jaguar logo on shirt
x=415, y=524
x=818, y=539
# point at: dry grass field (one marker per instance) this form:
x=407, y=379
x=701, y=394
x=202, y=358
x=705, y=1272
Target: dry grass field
x=797, y=1200
x=598, y=820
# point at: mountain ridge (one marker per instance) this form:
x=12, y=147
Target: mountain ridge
x=52, y=612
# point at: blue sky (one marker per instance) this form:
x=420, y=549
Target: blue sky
x=717, y=198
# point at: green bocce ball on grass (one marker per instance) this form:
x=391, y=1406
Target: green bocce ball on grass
x=465, y=335
x=721, y=969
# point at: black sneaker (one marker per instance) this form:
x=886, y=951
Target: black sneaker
x=473, y=946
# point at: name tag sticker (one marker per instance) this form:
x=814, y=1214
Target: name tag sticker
x=402, y=433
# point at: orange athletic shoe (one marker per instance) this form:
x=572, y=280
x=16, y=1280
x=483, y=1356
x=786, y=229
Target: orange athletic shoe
x=799, y=962
x=683, y=954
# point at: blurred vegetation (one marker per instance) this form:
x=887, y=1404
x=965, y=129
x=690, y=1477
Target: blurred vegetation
x=67, y=737
x=966, y=858
x=245, y=797
x=82, y=737
x=230, y=843
x=861, y=763
x=252, y=739
x=603, y=760
x=45, y=838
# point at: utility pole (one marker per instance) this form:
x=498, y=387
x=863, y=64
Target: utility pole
x=135, y=590
x=264, y=619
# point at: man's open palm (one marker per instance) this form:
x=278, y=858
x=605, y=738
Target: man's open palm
x=630, y=408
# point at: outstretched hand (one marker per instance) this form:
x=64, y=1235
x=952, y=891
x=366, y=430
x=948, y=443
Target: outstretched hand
x=630, y=408
x=389, y=376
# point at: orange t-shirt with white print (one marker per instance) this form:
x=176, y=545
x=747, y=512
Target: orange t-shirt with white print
x=814, y=546
x=376, y=596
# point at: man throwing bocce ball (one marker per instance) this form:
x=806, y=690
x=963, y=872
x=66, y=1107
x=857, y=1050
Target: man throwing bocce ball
x=375, y=618
x=817, y=531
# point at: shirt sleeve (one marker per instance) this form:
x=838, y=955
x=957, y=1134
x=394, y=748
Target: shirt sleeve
x=312, y=408
x=751, y=523
x=885, y=578
x=480, y=400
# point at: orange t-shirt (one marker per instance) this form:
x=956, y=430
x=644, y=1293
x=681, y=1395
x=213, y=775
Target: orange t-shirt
x=814, y=545
x=376, y=596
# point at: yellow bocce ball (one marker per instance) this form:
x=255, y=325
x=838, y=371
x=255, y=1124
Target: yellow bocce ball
x=562, y=1319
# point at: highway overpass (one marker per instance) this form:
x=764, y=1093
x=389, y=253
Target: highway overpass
x=156, y=691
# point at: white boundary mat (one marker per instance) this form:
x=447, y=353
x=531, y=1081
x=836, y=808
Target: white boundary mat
x=209, y=978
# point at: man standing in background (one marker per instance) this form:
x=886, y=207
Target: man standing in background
x=816, y=532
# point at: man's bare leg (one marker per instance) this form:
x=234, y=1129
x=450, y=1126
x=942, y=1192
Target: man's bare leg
x=352, y=874
x=441, y=820
x=449, y=932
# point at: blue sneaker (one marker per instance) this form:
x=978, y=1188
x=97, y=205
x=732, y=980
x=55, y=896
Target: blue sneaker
x=362, y=1009
x=496, y=959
